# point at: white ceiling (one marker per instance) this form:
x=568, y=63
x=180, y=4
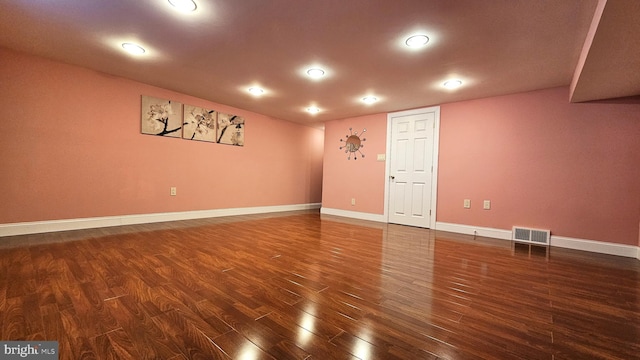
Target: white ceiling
x=217, y=52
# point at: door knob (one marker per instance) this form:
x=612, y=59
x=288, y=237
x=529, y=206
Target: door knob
x=392, y=177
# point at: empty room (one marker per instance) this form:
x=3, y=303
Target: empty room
x=286, y=179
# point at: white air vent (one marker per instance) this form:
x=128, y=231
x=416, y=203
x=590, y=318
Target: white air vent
x=534, y=236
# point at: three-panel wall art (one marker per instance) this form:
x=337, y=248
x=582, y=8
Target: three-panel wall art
x=171, y=119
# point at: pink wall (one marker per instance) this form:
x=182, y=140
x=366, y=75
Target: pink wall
x=542, y=161
x=362, y=179
x=71, y=148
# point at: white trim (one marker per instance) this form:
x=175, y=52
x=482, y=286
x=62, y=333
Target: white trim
x=436, y=149
x=36, y=227
x=474, y=230
x=353, y=214
x=557, y=241
x=434, y=175
x=387, y=170
x=594, y=246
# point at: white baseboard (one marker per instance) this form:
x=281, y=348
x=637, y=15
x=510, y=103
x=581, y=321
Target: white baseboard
x=36, y=227
x=474, y=230
x=353, y=214
x=559, y=241
x=594, y=246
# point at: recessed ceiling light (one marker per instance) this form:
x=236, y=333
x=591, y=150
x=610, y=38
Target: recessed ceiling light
x=183, y=5
x=256, y=91
x=313, y=110
x=417, y=41
x=369, y=99
x=315, y=73
x=133, y=48
x=452, y=84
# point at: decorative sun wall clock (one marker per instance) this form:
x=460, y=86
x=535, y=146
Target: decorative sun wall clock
x=353, y=143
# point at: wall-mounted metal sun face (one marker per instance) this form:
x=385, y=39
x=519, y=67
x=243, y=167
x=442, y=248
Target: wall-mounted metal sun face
x=353, y=143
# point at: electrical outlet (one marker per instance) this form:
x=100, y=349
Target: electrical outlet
x=467, y=203
x=487, y=205
x=353, y=201
x=174, y=191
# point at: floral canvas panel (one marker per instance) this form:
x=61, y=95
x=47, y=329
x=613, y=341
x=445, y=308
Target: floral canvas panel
x=161, y=117
x=199, y=124
x=230, y=129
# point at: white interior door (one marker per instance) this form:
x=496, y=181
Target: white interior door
x=411, y=165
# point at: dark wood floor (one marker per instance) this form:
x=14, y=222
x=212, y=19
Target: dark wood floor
x=305, y=286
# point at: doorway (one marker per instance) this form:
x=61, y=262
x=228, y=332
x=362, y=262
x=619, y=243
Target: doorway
x=412, y=167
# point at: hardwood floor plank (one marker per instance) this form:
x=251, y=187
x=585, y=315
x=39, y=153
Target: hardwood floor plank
x=288, y=316
x=598, y=334
x=32, y=316
x=20, y=267
x=13, y=324
x=193, y=343
x=81, y=348
x=271, y=294
x=89, y=312
x=105, y=350
x=245, y=324
x=306, y=333
x=208, y=313
x=306, y=286
x=74, y=344
x=400, y=334
x=53, y=328
x=150, y=341
x=360, y=348
x=117, y=344
x=287, y=350
x=237, y=346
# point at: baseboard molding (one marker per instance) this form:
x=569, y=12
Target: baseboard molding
x=36, y=227
x=558, y=241
x=353, y=214
x=474, y=230
x=594, y=246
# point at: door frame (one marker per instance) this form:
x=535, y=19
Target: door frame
x=436, y=147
